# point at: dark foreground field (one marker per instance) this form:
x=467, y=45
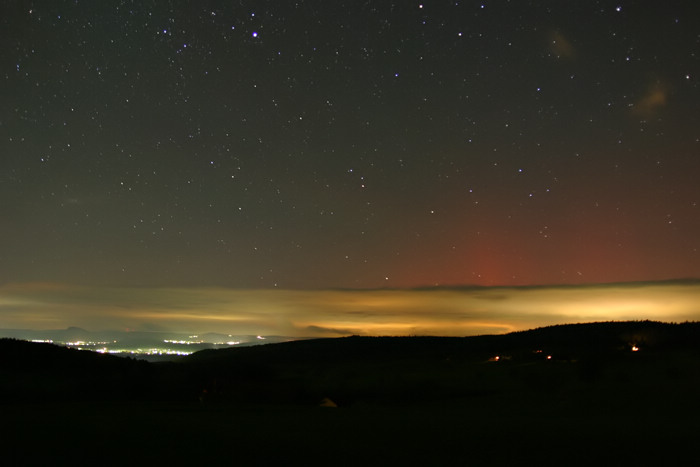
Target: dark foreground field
x=400, y=401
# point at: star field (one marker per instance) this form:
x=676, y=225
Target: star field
x=334, y=144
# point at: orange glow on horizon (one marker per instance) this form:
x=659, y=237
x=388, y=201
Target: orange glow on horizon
x=328, y=313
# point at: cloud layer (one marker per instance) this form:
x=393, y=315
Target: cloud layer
x=310, y=313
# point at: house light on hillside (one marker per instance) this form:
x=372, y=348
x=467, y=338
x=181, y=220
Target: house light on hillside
x=498, y=358
x=635, y=348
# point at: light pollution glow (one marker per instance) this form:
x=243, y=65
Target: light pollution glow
x=326, y=313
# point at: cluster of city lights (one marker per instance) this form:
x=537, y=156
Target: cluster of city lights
x=181, y=342
x=154, y=351
x=170, y=349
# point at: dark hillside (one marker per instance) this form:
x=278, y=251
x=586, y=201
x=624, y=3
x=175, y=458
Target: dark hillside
x=41, y=371
x=383, y=369
x=562, y=395
x=578, y=339
x=360, y=369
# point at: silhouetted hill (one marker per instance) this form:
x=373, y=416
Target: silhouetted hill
x=562, y=395
x=356, y=369
x=581, y=338
x=42, y=371
x=29, y=356
x=382, y=369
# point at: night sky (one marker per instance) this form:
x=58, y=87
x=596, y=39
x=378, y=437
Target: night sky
x=364, y=144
